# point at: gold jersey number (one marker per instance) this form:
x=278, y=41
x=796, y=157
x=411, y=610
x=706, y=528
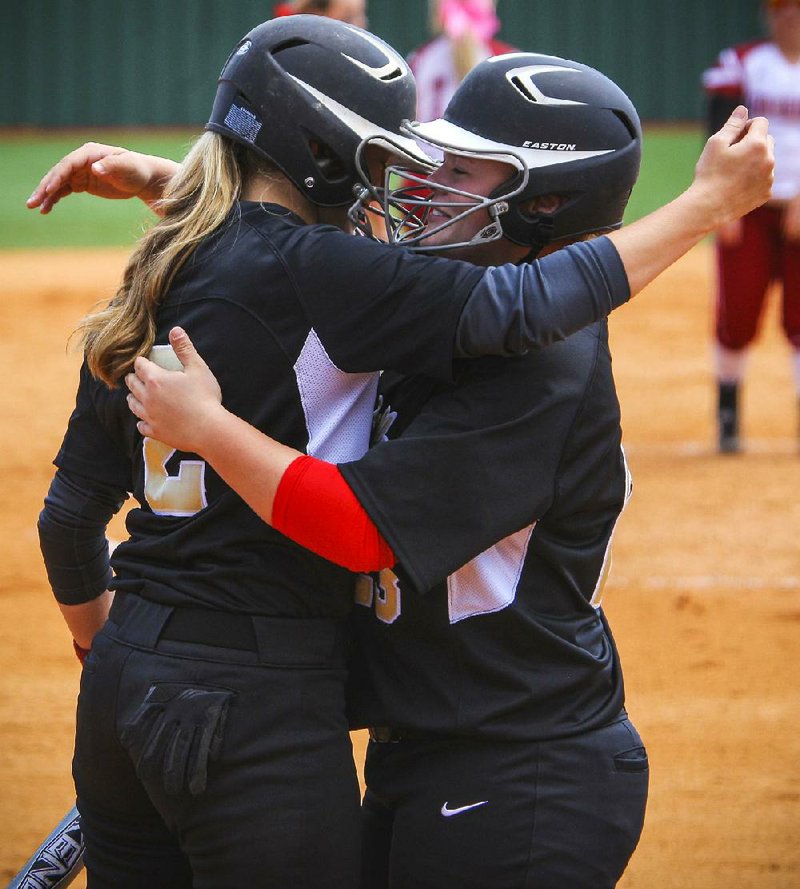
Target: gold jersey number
x=182, y=494
x=381, y=591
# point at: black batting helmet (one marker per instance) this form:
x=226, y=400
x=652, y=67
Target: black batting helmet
x=565, y=128
x=304, y=90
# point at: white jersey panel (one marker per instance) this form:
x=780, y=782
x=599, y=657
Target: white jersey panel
x=770, y=84
x=597, y=594
x=337, y=406
x=772, y=90
x=489, y=582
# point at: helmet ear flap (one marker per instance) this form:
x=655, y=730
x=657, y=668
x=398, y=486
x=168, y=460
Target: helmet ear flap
x=522, y=220
x=531, y=222
x=546, y=204
x=534, y=230
x=332, y=167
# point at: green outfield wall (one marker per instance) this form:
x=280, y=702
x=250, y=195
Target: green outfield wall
x=155, y=62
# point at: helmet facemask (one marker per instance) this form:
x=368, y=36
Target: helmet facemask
x=403, y=203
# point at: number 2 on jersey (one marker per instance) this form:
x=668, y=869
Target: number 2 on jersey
x=179, y=495
x=183, y=494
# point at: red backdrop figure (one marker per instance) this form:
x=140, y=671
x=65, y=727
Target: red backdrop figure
x=465, y=32
x=763, y=246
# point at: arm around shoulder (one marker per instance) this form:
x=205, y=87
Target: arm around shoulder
x=515, y=308
x=105, y=171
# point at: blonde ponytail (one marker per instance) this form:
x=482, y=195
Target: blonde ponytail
x=466, y=52
x=466, y=47
x=196, y=202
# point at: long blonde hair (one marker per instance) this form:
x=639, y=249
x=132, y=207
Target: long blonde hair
x=466, y=49
x=196, y=202
x=467, y=53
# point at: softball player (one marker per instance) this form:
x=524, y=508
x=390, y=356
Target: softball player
x=764, y=245
x=465, y=32
x=212, y=747
x=501, y=752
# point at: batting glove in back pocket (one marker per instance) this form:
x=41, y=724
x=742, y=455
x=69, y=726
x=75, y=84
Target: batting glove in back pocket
x=175, y=733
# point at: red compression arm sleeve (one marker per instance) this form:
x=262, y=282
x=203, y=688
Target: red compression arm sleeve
x=315, y=507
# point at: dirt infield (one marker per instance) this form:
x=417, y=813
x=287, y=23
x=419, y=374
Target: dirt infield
x=704, y=597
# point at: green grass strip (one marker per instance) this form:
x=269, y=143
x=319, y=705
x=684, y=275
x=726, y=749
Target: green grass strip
x=668, y=163
x=79, y=220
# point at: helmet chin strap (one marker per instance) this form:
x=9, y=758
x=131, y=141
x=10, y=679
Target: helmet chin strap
x=542, y=224
x=531, y=254
x=544, y=235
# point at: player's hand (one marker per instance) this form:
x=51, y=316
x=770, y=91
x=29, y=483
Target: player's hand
x=105, y=171
x=735, y=171
x=175, y=408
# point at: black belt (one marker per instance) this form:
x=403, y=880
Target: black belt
x=223, y=629
x=301, y=641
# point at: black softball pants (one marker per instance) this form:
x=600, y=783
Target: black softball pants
x=206, y=765
x=558, y=814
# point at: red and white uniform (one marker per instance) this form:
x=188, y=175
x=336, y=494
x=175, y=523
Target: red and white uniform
x=769, y=85
x=758, y=75
x=436, y=75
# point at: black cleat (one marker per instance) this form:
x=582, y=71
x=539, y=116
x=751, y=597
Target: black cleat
x=728, y=418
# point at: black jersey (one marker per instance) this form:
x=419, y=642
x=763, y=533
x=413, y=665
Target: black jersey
x=270, y=304
x=295, y=321
x=499, y=499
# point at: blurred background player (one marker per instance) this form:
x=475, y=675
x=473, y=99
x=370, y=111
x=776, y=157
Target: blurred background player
x=764, y=246
x=465, y=32
x=352, y=12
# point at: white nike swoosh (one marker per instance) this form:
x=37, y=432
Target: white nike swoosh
x=393, y=63
x=448, y=813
